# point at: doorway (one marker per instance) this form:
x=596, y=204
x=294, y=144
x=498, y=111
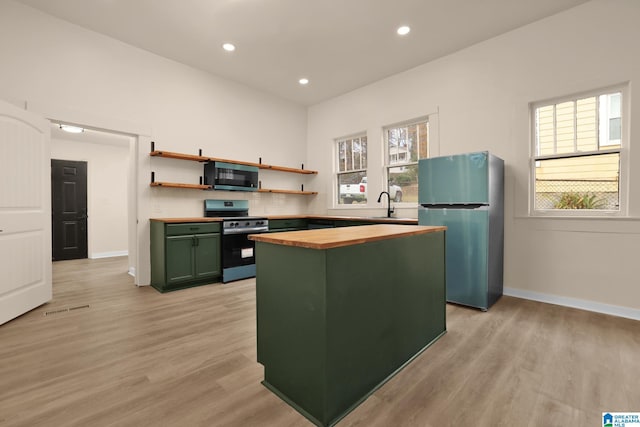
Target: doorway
x=68, y=209
x=109, y=186
x=107, y=133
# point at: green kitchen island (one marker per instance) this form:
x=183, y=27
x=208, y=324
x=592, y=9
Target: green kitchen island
x=342, y=310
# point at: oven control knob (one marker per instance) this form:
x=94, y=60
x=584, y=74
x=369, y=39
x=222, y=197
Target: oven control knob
x=247, y=224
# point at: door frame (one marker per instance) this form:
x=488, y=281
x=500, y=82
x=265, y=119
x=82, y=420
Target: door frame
x=139, y=256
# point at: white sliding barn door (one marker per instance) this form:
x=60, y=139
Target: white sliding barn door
x=25, y=212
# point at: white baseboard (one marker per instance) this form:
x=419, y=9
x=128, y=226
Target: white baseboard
x=614, y=310
x=109, y=254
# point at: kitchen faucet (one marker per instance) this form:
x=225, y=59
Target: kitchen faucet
x=389, y=208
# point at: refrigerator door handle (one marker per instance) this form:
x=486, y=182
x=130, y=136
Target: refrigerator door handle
x=480, y=206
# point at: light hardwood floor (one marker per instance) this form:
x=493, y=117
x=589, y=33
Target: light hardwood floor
x=135, y=357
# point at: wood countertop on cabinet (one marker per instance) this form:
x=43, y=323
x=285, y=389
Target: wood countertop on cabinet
x=179, y=220
x=384, y=220
x=373, y=220
x=329, y=238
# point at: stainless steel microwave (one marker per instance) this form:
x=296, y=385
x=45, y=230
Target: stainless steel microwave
x=231, y=176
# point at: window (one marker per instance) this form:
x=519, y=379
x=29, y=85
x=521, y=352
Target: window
x=577, y=154
x=406, y=144
x=352, y=170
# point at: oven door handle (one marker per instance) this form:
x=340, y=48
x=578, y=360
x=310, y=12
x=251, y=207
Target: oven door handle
x=245, y=231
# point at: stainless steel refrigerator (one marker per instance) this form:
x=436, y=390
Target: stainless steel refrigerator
x=466, y=193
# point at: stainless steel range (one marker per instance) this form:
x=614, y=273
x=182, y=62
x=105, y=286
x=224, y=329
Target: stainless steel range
x=238, y=257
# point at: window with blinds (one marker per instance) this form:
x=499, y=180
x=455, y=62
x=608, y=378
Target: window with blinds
x=405, y=145
x=577, y=154
x=352, y=169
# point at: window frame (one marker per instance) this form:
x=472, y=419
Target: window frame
x=622, y=151
x=336, y=163
x=387, y=154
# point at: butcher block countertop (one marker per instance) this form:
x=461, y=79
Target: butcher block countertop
x=392, y=220
x=373, y=220
x=328, y=238
x=179, y=220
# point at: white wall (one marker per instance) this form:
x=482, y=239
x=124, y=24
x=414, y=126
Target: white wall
x=107, y=185
x=73, y=75
x=481, y=96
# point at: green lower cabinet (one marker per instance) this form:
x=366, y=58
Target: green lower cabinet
x=179, y=260
x=316, y=223
x=334, y=325
x=289, y=224
x=351, y=223
x=207, y=255
x=184, y=255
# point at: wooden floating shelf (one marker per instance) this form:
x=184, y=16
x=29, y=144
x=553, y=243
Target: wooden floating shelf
x=208, y=187
x=284, y=169
x=267, y=190
x=179, y=185
x=180, y=156
x=171, y=155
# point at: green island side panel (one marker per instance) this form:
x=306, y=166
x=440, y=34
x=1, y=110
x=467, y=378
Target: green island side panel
x=334, y=325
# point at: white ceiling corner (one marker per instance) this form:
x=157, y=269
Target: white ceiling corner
x=340, y=45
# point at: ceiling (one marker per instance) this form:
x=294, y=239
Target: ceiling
x=339, y=45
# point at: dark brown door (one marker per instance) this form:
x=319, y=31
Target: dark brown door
x=68, y=209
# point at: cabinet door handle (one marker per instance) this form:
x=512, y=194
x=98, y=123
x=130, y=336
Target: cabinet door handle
x=194, y=228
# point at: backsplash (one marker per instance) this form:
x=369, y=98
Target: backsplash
x=181, y=203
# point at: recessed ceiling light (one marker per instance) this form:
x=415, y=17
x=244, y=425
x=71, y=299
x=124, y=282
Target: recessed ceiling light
x=71, y=129
x=229, y=47
x=404, y=30
x=303, y=81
